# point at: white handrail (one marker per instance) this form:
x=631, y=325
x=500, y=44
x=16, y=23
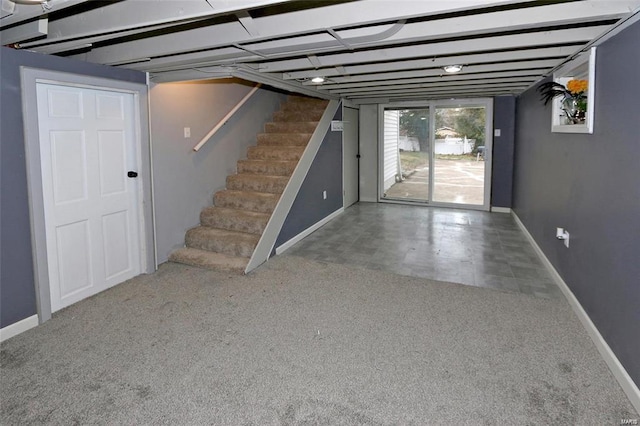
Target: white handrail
x=226, y=118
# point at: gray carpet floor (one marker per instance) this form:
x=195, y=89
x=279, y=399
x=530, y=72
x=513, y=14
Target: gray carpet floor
x=301, y=342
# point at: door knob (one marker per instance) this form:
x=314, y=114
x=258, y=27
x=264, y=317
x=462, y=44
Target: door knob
x=132, y=174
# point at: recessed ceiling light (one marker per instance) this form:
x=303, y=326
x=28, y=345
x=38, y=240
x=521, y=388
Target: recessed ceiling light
x=452, y=68
x=317, y=80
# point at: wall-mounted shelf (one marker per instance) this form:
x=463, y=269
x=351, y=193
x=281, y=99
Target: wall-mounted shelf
x=583, y=67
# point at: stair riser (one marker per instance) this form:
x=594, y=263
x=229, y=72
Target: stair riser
x=302, y=107
x=268, y=153
x=234, y=223
x=258, y=184
x=308, y=115
x=271, y=168
x=225, y=246
x=283, y=139
x=290, y=127
x=240, y=202
x=200, y=261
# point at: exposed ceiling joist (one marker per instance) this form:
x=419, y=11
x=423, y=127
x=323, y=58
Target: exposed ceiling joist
x=515, y=41
x=298, y=22
x=367, y=50
x=493, y=57
x=430, y=72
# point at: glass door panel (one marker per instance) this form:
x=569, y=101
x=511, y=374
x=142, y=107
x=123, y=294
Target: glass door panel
x=406, y=154
x=459, y=146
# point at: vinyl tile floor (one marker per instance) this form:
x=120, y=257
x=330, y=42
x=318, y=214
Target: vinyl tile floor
x=463, y=246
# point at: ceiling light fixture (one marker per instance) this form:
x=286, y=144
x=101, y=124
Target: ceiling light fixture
x=317, y=80
x=451, y=69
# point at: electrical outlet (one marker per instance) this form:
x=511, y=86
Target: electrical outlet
x=563, y=235
x=187, y=132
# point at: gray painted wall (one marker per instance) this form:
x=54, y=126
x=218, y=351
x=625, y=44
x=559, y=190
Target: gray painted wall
x=504, y=118
x=185, y=180
x=17, y=288
x=590, y=185
x=325, y=174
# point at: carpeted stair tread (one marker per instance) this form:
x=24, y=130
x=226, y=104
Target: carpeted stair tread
x=234, y=220
x=264, y=167
x=232, y=243
x=288, y=153
x=300, y=106
x=209, y=260
x=299, y=115
x=284, y=139
x=260, y=202
x=257, y=183
x=291, y=127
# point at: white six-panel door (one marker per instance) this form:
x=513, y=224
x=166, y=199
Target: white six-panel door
x=87, y=147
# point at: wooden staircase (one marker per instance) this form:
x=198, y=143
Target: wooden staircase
x=230, y=229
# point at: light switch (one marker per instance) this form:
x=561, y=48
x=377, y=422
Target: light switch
x=187, y=132
x=496, y=133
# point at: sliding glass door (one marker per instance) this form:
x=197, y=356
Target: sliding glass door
x=406, y=154
x=437, y=153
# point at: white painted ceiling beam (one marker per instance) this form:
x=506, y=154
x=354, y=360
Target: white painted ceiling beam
x=510, y=20
x=469, y=69
x=301, y=22
x=27, y=31
x=426, y=92
x=494, y=75
x=515, y=41
x=209, y=58
x=451, y=84
x=141, y=15
x=560, y=52
x=23, y=12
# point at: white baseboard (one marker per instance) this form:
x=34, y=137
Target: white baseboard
x=500, y=210
x=18, y=327
x=629, y=387
x=285, y=246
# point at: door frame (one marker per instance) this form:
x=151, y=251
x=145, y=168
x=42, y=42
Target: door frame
x=344, y=159
x=30, y=77
x=432, y=105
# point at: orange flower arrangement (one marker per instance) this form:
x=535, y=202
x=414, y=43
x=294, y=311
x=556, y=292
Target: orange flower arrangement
x=574, y=97
x=577, y=87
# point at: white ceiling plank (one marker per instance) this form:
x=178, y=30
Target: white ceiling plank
x=27, y=31
x=23, y=12
x=470, y=69
x=494, y=75
x=467, y=89
x=511, y=20
x=547, y=52
x=195, y=59
x=514, y=41
x=450, y=84
x=128, y=15
x=285, y=24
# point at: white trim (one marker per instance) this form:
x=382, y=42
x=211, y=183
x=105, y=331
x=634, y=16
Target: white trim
x=30, y=77
x=500, y=210
x=286, y=246
x=432, y=105
x=626, y=382
x=18, y=327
